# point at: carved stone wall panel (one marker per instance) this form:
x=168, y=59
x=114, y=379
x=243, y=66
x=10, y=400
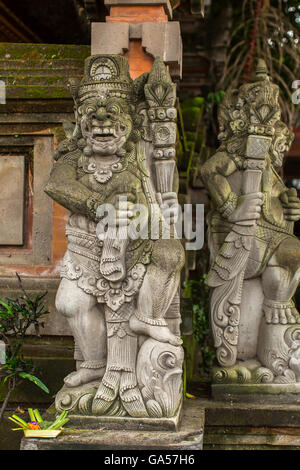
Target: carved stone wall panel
x=39, y=251
x=12, y=177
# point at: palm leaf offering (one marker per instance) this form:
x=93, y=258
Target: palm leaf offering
x=37, y=427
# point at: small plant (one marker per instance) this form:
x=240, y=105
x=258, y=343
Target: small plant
x=198, y=293
x=37, y=423
x=16, y=317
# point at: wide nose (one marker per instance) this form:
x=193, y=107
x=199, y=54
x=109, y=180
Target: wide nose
x=101, y=118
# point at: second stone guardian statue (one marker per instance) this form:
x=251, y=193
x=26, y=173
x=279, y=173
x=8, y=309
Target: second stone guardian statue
x=255, y=258
x=119, y=291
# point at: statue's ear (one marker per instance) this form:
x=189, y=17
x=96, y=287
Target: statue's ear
x=68, y=128
x=160, y=91
x=73, y=85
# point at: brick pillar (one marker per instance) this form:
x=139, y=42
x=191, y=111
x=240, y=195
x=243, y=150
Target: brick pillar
x=139, y=29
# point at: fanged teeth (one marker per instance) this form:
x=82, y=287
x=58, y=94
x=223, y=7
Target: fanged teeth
x=103, y=131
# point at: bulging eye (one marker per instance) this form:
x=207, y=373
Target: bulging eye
x=90, y=110
x=114, y=109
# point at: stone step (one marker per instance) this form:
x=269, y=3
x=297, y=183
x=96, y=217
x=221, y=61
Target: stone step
x=50, y=80
x=21, y=64
x=42, y=52
x=251, y=438
x=40, y=71
x=49, y=70
x=37, y=92
x=250, y=414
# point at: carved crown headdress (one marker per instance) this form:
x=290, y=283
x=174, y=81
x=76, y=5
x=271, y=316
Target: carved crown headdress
x=252, y=109
x=104, y=75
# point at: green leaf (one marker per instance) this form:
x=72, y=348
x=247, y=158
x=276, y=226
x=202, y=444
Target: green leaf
x=35, y=380
x=7, y=307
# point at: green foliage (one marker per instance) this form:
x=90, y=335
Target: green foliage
x=195, y=116
x=16, y=317
x=198, y=293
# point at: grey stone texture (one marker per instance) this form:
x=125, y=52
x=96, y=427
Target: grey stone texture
x=161, y=39
x=120, y=293
x=255, y=268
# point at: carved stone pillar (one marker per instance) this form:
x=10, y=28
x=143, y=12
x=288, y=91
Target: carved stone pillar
x=140, y=30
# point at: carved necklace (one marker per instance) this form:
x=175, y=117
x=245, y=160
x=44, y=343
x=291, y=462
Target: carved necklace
x=102, y=172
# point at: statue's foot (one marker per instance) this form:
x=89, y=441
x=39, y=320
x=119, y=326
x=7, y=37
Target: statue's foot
x=283, y=313
x=158, y=332
x=107, y=393
x=85, y=374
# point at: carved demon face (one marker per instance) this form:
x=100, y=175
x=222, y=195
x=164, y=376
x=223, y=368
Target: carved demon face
x=105, y=125
x=281, y=143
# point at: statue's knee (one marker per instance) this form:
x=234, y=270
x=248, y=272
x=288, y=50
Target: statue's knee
x=66, y=302
x=289, y=256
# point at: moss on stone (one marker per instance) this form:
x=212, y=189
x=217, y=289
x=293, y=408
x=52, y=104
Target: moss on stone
x=43, y=51
x=40, y=71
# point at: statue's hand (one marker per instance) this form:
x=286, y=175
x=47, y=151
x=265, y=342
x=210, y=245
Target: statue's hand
x=169, y=206
x=124, y=213
x=248, y=208
x=291, y=205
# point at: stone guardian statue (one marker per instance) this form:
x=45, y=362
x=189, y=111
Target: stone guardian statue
x=255, y=258
x=120, y=275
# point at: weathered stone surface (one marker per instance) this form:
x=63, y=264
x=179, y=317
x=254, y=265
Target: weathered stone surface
x=119, y=288
x=189, y=437
x=231, y=414
x=257, y=393
x=12, y=179
x=126, y=423
x=40, y=71
x=251, y=438
x=251, y=316
x=164, y=40
x=160, y=39
x=255, y=267
x=112, y=38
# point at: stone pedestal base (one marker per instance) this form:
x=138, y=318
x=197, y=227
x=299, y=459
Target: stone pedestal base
x=257, y=393
x=126, y=423
x=188, y=437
